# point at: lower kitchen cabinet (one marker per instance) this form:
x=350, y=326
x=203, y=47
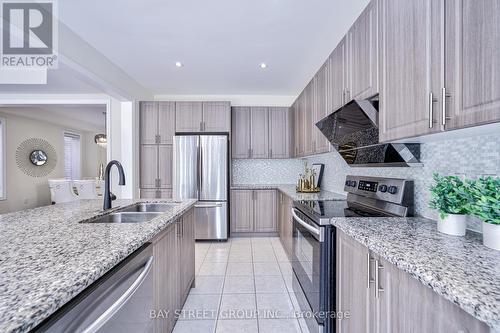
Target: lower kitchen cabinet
x=173, y=269
x=285, y=223
x=253, y=211
x=383, y=298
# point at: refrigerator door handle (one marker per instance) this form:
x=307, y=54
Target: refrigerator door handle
x=200, y=168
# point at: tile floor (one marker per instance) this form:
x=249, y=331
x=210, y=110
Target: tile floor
x=244, y=285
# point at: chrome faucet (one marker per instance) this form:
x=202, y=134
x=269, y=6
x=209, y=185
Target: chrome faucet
x=108, y=196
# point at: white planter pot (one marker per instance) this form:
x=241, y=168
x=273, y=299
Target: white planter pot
x=453, y=224
x=491, y=235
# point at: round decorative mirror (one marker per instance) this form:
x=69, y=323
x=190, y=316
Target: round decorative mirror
x=38, y=157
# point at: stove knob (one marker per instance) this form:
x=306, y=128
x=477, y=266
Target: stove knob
x=353, y=183
x=393, y=189
x=383, y=188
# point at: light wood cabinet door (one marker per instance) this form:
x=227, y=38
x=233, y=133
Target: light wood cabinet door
x=472, y=73
x=166, y=122
x=300, y=129
x=265, y=211
x=216, y=117
x=362, y=41
x=286, y=226
x=148, y=122
x=242, y=211
x=188, y=116
x=352, y=284
x=321, y=144
x=337, y=77
x=166, y=278
x=259, y=128
x=308, y=119
x=149, y=193
x=187, y=269
x=149, y=166
x=279, y=132
x=165, y=162
x=411, y=66
x=240, y=145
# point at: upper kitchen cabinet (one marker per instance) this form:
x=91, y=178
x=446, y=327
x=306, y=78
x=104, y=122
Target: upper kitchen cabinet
x=472, y=72
x=241, y=132
x=202, y=117
x=320, y=143
x=188, y=116
x=216, y=117
x=157, y=122
x=337, y=77
x=362, y=41
x=279, y=132
x=259, y=126
x=411, y=53
x=308, y=112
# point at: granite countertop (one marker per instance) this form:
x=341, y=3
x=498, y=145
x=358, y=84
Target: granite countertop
x=289, y=190
x=47, y=257
x=460, y=269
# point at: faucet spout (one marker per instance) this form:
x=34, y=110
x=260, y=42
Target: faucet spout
x=107, y=182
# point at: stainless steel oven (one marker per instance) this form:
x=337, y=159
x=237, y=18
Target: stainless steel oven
x=314, y=271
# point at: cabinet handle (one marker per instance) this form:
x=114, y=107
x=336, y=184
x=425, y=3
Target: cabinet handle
x=157, y=138
x=204, y=126
x=443, y=96
x=201, y=126
x=431, y=110
x=368, y=281
x=158, y=194
x=270, y=153
x=378, y=267
x=348, y=95
x=159, y=182
x=249, y=153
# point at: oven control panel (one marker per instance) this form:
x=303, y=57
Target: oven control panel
x=387, y=189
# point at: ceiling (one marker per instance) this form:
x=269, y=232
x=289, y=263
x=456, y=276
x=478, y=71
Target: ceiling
x=221, y=42
x=88, y=117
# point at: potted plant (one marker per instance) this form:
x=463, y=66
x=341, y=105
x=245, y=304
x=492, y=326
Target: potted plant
x=449, y=196
x=486, y=206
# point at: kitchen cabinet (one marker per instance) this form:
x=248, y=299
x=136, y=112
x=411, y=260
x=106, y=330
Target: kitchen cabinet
x=337, y=77
x=300, y=128
x=259, y=138
x=157, y=129
x=308, y=110
x=173, y=269
x=157, y=122
x=411, y=52
x=362, y=44
x=240, y=145
x=242, y=210
x=383, y=298
x=279, y=132
x=253, y=211
x=202, y=117
x=216, y=117
x=472, y=63
x=265, y=211
x=320, y=111
x=285, y=223
x=188, y=116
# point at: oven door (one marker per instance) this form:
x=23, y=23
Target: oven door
x=307, y=261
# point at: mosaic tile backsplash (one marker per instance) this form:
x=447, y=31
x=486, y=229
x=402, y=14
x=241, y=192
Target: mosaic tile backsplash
x=470, y=157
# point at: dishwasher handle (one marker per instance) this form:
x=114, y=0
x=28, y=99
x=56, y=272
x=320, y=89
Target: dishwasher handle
x=108, y=314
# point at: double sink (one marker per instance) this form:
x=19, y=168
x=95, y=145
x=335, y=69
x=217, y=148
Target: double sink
x=138, y=213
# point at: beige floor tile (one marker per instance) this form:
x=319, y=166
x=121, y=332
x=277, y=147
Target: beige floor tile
x=275, y=306
x=194, y=326
x=239, y=269
x=200, y=307
x=208, y=285
x=239, y=285
x=286, y=268
x=237, y=326
x=237, y=306
x=213, y=268
x=264, y=257
x=279, y=326
x=240, y=257
x=266, y=268
x=270, y=284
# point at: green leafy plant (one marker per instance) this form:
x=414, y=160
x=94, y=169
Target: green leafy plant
x=449, y=195
x=485, y=203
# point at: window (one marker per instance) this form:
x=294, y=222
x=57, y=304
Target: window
x=2, y=160
x=72, y=156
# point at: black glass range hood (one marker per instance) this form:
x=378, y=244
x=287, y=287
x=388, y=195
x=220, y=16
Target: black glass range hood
x=353, y=132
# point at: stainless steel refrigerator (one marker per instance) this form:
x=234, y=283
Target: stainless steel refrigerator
x=201, y=172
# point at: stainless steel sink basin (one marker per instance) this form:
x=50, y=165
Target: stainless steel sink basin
x=149, y=207
x=124, y=217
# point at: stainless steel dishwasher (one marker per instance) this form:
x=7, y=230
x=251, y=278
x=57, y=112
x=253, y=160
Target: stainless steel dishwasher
x=120, y=301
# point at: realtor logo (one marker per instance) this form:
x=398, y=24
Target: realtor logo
x=28, y=34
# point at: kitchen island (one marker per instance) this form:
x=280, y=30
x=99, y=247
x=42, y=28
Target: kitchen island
x=47, y=256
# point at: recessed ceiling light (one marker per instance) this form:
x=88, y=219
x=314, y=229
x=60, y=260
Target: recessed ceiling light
x=178, y=64
x=263, y=65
